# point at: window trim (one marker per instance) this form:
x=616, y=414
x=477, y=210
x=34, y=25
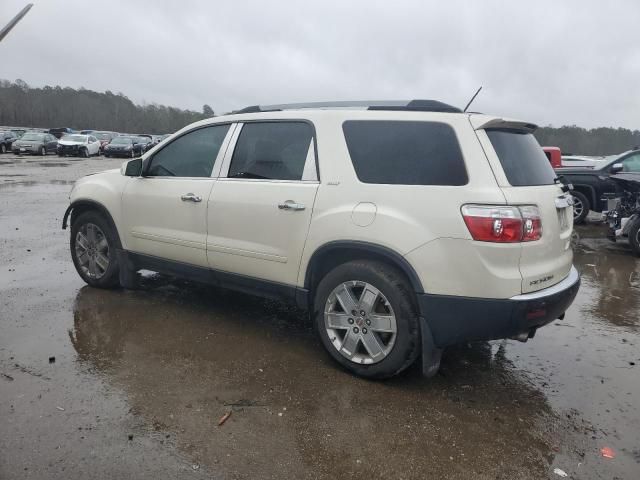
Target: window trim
x=455, y=134
x=224, y=171
x=218, y=160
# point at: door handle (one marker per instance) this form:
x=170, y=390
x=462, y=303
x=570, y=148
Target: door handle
x=291, y=205
x=190, y=197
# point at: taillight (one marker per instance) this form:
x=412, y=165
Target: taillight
x=503, y=224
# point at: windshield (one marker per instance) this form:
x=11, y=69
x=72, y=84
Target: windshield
x=523, y=161
x=102, y=136
x=121, y=141
x=75, y=138
x=32, y=136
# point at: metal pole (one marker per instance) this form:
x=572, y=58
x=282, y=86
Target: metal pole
x=14, y=21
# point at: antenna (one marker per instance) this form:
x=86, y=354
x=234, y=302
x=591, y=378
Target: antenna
x=7, y=28
x=472, y=99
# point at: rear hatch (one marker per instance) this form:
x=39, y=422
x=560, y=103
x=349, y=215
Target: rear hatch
x=526, y=178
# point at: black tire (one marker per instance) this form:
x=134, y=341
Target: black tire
x=60, y=155
x=580, y=200
x=3, y=148
x=43, y=151
x=392, y=284
x=634, y=237
x=110, y=278
x=85, y=153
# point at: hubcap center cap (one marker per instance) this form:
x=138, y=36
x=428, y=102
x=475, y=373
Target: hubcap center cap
x=359, y=321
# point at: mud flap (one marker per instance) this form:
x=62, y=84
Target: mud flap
x=129, y=277
x=431, y=354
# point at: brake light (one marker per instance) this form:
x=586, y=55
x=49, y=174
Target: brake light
x=503, y=224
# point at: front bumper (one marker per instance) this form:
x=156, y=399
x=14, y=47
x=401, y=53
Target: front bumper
x=454, y=319
x=117, y=153
x=26, y=149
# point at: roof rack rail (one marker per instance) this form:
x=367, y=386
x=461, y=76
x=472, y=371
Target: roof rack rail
x=393, y=105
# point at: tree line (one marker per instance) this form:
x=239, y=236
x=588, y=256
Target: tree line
x=46, y=107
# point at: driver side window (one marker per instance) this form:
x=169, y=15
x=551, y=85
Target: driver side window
x=631, y=164
x=191, y=155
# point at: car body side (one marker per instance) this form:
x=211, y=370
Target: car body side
x=418, y=229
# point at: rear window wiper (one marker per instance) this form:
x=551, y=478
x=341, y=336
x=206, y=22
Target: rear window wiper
x=248, y=175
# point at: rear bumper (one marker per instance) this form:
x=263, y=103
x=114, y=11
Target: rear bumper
x=454, y=319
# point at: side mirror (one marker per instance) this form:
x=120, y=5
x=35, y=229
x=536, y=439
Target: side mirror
x=617, y=167
x=132, y=168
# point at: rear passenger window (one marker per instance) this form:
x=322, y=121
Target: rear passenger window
x=191, y=155
x=271, y=150
x=405, y=153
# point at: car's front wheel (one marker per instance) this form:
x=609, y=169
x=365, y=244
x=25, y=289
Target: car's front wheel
x=581, y=207
x=93, y=250
x=3, y=148
x=43, y=151
x=366, y=318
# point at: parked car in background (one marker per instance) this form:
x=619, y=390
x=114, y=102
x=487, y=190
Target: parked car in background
x=6, y=140
x=336, y=222
x=87, y=132
x=146, y=142
x=59, y=132
x=35, y=143
x=104, y=138
x=592, y=185
x=124, y=146
x=554, y=155
x=78, y=145
x=582, y=161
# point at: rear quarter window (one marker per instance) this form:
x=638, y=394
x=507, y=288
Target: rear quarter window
x=405, y=152
x=522, y=159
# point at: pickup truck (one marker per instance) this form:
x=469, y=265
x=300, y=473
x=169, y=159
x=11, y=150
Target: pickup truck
x=590, y=185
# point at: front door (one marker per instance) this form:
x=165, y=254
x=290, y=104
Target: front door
x=260, y=209
x=165, y=210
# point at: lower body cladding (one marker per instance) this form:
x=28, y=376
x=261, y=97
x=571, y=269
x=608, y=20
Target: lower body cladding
x=454, y=319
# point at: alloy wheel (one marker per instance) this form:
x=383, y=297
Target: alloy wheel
x=360, y=322
x=578, y=207
x=92, y=250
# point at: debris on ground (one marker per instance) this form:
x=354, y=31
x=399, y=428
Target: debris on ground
x=130, y=437
x=8, y=377
x=560, y=472
x=195, y=466
x=60, y=408
x=52, y=359
x=224, y=418
x=607, y=452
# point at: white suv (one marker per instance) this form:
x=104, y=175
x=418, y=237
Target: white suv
x=403, y=227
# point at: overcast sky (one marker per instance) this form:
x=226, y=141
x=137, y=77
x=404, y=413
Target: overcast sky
x=550, y=62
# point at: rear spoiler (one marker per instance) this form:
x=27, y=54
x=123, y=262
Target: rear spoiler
x=483, y=122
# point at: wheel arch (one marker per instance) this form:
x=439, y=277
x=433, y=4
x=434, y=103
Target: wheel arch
x=80, y=206
x=335, y=253
x=589, y=192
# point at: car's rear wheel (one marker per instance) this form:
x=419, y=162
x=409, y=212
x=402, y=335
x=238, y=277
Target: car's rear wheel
x=634, y=237
x=366, y=318
x=581, y=207
x=93, y=250
x=3, y=148
x=43, y=151
x=85, y=152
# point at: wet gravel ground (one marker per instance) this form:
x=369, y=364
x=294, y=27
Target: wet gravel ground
x=132, y=384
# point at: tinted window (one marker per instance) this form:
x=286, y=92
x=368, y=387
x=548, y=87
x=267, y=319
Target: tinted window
x=191, y=155
x=271, y=150
x=523, y=160
x=631, y=164
x=405, y=153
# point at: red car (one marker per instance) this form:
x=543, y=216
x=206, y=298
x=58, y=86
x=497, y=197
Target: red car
x=554, y=155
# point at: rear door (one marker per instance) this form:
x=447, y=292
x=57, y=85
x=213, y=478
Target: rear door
x=526, y=178
x=165, y=211
x=260, y=208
